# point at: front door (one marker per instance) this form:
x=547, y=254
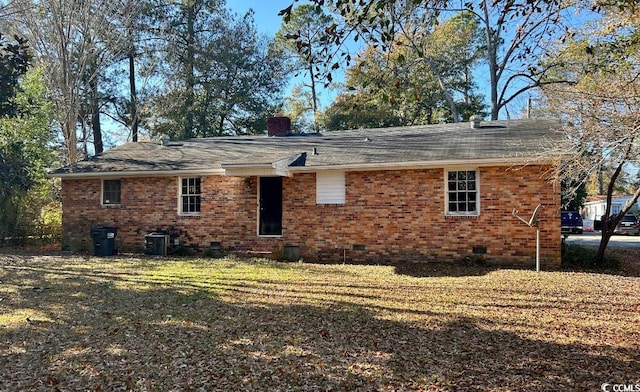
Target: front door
x=270, y=219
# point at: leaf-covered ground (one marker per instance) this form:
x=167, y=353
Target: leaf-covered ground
x=72, y=323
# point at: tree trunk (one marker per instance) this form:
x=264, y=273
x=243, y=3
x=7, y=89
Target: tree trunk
x=455, y=115
x=314, y=98
x=190, y=71
x=221, y=125
x=607, y=226
x=604, y=242
x=70, y=138
x=69, y=103
x=492, y=60
x=445, y=92
x=132, y=91
x=600, y=180
x=95, y=117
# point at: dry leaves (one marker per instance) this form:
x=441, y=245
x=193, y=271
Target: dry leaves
x=72, y=323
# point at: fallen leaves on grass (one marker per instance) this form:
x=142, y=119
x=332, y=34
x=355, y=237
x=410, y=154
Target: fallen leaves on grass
x=163, y=325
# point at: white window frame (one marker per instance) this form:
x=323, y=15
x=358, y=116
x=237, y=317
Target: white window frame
x=331, y=187
x=476, y=212
x=616, y=208
x=102, y=190
x=181, y=196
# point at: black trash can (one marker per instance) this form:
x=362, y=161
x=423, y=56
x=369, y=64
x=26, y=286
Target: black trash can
x=104, y=240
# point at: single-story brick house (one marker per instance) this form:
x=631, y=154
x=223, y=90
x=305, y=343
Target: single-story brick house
x=421, y=193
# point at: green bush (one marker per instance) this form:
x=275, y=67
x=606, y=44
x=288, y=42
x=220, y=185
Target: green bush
x=183, y=250
x=581, y=257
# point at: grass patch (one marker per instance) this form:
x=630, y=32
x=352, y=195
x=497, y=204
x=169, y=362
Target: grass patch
x=74, y=323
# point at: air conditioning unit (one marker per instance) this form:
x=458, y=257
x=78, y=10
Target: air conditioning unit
x=156, y=244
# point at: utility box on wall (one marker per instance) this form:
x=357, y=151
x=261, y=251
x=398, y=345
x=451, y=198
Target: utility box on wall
x=156, y=244
x=291, y=253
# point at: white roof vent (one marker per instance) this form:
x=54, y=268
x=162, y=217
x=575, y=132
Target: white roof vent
x=475, y=121
x=164, y=140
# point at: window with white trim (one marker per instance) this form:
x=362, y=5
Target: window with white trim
x=330, y=187
x=190, y=196
x=616, y=208
x=111, y=192
x=462, y=192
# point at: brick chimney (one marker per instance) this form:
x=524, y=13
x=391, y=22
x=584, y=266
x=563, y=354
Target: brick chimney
x=278, y=126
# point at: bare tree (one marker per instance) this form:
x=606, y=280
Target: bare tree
x=600, y=106
x=515, y=34
x=414, y=25
x=72, y=39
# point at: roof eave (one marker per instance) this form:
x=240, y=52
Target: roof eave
x=423, y=164
x=269, y=169
x=137, y=173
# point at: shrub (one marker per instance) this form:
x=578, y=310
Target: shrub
x=581, y=257
x=183, y=250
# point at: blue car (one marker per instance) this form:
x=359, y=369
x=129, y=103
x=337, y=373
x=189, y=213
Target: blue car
x=571, y=222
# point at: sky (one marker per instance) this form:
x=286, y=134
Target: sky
x=266, y=12
x=268, y=22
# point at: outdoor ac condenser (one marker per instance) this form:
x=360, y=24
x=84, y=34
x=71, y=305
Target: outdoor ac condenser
x=156, y=244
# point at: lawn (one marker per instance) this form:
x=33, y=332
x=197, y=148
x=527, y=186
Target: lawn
x=73, y=323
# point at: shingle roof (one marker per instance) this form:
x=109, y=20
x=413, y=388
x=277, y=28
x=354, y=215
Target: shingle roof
x=498, y=141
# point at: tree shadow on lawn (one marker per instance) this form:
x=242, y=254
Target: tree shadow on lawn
x=443, y=269
x=96, y=334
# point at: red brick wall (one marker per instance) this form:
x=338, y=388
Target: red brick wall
x=151, y=204
x=395, y=215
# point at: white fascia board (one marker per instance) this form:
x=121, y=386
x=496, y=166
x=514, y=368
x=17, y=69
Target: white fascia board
x=420, y=165
x=282, y=172
x=248, y=169
x=267, y=171
x=280, y=169
x=141, y=173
